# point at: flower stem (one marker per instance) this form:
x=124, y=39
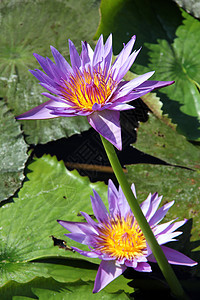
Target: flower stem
x=165, y=267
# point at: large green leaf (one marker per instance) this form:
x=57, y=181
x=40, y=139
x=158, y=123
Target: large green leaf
x=180, y=61
x=50, y=192
x=174, y=183
x=75, y=291
x=28, y=27
x=156, y=138
x=170, y=47
x=43, y=288
x=12, y=153
x=191, y=6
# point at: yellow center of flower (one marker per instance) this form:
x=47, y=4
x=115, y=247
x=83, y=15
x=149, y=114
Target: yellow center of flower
x=86, y=88
x=122, y=238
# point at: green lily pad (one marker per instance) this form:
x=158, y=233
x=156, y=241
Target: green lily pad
x=48, y=287
x=170, y=40
x=173, y=183
x=191, y=6
x=28, y=27
x=180, y=61
x=12, y=153
x=181, y=184
x=75, y=291
x=50, y=192
x=157, y=138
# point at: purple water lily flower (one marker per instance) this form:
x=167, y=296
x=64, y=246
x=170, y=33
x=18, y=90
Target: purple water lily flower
x=117, y=239
x=91, y=86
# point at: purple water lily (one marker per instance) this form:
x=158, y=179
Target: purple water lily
x=91, y=86
x=117, y=239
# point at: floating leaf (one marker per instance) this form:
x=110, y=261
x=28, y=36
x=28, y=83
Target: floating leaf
x=28, y=27
x=191, y=6
x=12, y=153
x=181, y=184
x=48, y=288
x=180, y=61
x=75, y=291
x=50, y=192
x=170, y=40
x=158, y=139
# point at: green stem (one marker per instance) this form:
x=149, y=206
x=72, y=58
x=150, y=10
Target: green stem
x=166, y=269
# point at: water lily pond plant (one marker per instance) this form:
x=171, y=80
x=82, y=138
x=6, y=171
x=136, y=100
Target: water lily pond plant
x=96, y=116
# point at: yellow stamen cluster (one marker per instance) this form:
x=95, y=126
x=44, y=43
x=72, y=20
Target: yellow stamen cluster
x=86, y=88
x=122, y=238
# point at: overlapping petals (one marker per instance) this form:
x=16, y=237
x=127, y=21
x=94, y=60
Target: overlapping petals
x=116, y=238
x=91, y=86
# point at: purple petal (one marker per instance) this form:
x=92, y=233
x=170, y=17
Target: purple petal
x=50, y=88
x=167, y=237
x=161, y=228
x=127, y=98
x=120, y=107
x=155, y=201
x=146, y=204
x=98, y=52
x=43, y=63
x=57, y=73
x=42, y=77
x=112, y=198
x=96, y=107
x=175, y=257
x=74, y=56
x=118, y=204
x=99, y=208
x=133, y=190
x=143, y=267
x=91, y=254
x=83, y=113
x=85, y=59
x=74, y=227
x=154, y=84
x=108, y=125
x=122, y=57
x=130, y=85
x=126, y=66
x=107, y=272
x=90, y=221
x=56, y=98
x=39, y=112
x=168, y=227
x=90, y=51
x=159, y=215
x=61, y=61
x=80, y=238
x=131, y=264
x=108, y=53
x=123, y=205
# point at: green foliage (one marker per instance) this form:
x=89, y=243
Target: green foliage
x=50, y=192
x=12, y=153
x=31, y=267
x=29, y=27
x=48, y=288
x=170, y=43
x=180, y=181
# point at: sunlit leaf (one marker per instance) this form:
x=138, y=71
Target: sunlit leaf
x=28, y=27
x=12, y=153
x=170, y=45
x=50, y=192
